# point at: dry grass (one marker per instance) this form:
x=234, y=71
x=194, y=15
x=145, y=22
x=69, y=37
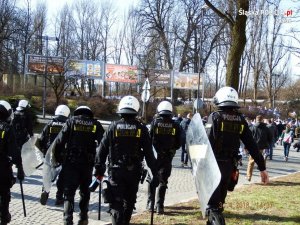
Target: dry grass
x=255, y=204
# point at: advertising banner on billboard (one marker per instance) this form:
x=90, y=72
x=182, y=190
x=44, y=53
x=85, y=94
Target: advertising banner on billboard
x=187, y=80
x=36, y=64
x=157, y=78
x=85, y=68
x=121, y=73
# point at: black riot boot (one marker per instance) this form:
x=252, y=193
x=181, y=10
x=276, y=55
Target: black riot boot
x=84, y=208
x=127, y=215
x=160, y=199
x=215, y=217
x=60, y=191
x=5, y=216
x=44, y=197
x=68, y=212
x=116, y=217
x=150, y=197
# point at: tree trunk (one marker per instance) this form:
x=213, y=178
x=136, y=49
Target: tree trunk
x=238, y=37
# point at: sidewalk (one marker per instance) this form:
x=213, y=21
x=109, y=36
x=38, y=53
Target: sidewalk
x=180, y=189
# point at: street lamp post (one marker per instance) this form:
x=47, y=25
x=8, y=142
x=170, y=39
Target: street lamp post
x=46, y=38
x=200, y=59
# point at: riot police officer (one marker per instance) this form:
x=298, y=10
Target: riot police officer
x=165, y=134
x=8, y=155
x=75, y=149
x=125, y=144
x=23, y=123
x=225, y=128
x=48, y=135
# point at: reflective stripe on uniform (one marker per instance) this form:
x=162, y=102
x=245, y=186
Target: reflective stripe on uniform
x=173, y=131
x=242, y=128
x=2, y=134
x=85, y=128
x=138, y=133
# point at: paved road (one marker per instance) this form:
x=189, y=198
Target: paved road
x=181, y=189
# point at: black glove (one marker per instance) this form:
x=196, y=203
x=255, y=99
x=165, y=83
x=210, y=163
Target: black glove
x=154, y=182
x=20, y=173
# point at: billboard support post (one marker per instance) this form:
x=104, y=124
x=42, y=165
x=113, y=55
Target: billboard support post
x=46, y=38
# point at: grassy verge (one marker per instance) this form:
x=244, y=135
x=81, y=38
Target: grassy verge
x=277, y=203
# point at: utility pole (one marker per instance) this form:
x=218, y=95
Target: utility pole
x=203, y=8
x=46, y=38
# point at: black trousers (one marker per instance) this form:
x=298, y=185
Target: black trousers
x=218, y=197
x=164, y=172
x=75, y=176
x=124, y=184
x=6, y=182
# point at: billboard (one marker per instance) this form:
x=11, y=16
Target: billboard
x=120, y=73
x=158, y=78
x=86, y=68
x=36, y=64
x=187, y=80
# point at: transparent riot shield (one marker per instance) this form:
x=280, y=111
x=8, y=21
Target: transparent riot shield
x=205, y=169
x=51, y=168
x=32, y=157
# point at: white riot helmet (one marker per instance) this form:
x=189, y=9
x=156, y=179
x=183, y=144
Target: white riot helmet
x=165, y=108
x=62, y=110
x=23, y=104
x=128, y=105
x=83, y=110
x=226, y=97
x=6, y=112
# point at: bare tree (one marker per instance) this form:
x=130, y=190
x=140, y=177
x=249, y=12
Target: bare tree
x=237, y=23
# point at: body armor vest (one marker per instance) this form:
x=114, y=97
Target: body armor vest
x=126, y=150
x=164, y=135
x=82, y=145
x=54, y=128
x=230, y=127
x=19, y=123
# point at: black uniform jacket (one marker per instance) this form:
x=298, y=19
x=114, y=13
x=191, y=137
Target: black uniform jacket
x=237, y=129
x=142, y=144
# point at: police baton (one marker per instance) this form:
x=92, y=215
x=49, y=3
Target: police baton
x=152, y=205
x=23, y=201
x=99, y=203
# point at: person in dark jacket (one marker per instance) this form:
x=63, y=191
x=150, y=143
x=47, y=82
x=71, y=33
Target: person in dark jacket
x=263, y=138
x=280, y=129
x=273, y=130
x=225, y=128
x=165, y=134
x=46, y=138
x=23, y=123
x=125, y=144
x=8, y=154
x=75, y=149
x=184, y=126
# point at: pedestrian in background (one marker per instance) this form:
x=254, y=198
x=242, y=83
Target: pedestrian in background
x=263, y=138
x=287, y=138
x=273, y=130
x=125, y=144
x=280, y=128
x=184, y=126
x=75, y=150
